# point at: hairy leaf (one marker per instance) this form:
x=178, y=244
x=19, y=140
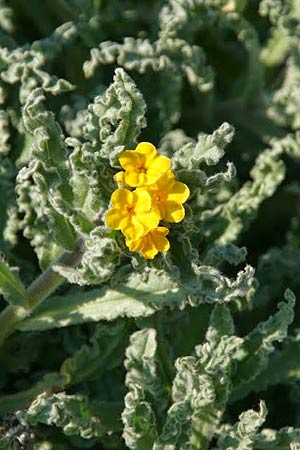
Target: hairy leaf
x=11, y=286
x=242, y=435
x=258, y=345
x=72, y=413
x=139, y=296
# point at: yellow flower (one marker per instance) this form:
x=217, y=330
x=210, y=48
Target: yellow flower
x=167, y=197
x=149, y=245
x=147, y=192
x=131, y=213
x=143, y=166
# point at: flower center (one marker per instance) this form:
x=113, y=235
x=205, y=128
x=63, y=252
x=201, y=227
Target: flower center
x=142, y=169
x=157, y=198
x=130, y=210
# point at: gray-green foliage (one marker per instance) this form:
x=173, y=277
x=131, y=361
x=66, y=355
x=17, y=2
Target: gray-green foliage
x=71, y=413
x=100, y=348
x=242, y=435
x=259, y=344
x=202, y=386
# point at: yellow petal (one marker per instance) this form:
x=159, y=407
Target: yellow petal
x=130, y=160
x=114, y=219
x=142, y=176
x=150, y=178
x=155, y=241
x=134, y=245
x=159, y=164
x=142, y=201
x=166, y=181
x=163, y=184
x=172, y=211
x=134, y=229
x=179, y=192
x=149, y=220
x=147, y=149
x=159, y=239
x=149, y=245
x=133, y=178
x=120, y=178
x=148, y=251
x=158, y=211
x=121, y=197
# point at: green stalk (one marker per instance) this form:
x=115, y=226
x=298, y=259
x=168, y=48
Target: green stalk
x=37, y=292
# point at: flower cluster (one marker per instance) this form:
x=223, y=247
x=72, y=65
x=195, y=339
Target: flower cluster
x=148, y=193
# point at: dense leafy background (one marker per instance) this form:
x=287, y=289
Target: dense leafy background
x=198, y=349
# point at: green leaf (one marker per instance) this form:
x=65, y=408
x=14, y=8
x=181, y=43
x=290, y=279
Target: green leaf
x=285, y=438
x=140, y=296
x=98, y=263
x=51, y=173
x=8, y=216
x=201, y=388
x=208, y=149
x=221, y=324
x=229, y=253
x=243, y=434
x=104, y=351
x=162, y=55
x=258, y=346
x=142, y=366
x=11, y=286
x=139, y=421
x=20, y=400
x=145, y=388
x=226, y=221
x=115, y=118
x=72, y=413
x=283, y=365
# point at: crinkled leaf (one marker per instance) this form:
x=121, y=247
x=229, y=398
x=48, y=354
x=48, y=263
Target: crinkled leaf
x=259, y=344
x=141, y=295
x=242, y=435
x=72, y=413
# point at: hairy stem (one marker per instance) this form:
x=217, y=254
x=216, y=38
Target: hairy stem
x=38, y=291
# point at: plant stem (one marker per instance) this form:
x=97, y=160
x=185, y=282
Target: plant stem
x=38, y=291
x=49, y=281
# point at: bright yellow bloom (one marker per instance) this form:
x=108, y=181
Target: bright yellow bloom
x=147, y=192
x=167, y=197
x=143, y=166
x=149, y=245
x=131, y=213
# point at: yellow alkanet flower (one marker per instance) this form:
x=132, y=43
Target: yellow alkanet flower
x=149, y=245
x=143, y=166
x=168, y=195
x=131, y=213
x=147, y=193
